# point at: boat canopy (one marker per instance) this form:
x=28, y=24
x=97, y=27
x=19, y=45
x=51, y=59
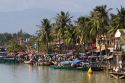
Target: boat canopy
x=71, y=62
x=2, y=50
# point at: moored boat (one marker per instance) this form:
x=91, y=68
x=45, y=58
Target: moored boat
x=76, y=68
x=44, y=63
x=9, y=60
x=78, y=65
x=27, y=62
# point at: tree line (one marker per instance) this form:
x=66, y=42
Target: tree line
x=11, y=41
x=62, y=30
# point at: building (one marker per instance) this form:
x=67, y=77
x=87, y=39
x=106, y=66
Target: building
x=120, y=39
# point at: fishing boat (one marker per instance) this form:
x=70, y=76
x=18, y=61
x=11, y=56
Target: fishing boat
x=28, y=62
x=84, y=67
x=8, y=60
x=76, y=68
x=3, y=52
x=44, y=63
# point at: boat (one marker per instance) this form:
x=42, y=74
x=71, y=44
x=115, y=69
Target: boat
x=28, y=62
x=3, y=52
x=44, y=63
x=4, y=58
x=76, y=68
x=8, y=60
x=78, y=65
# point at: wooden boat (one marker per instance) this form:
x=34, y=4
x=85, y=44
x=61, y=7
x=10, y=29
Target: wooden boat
x=76, y=68
x=9, y=60
x=27, y=62
x=78, y=65
x=44, y=63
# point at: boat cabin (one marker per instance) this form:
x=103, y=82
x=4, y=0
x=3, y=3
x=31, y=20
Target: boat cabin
x=3, y=52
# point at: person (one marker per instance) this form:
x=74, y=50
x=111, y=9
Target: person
x=120, y=64
x=72, y=65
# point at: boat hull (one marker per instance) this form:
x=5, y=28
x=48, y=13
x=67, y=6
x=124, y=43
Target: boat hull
x=77, y=68
x=8, y=60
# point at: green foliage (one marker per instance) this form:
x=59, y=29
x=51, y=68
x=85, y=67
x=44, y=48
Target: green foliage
x=44, y=32
x=99, y=20
x=68, y=33
x=86, y=29
x=5, y=38
x=14, y=47
x=117, y=21
x=63, y=21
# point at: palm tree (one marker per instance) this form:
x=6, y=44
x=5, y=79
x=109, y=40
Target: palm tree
x=100, y=22
x=83, y=31
x=70, y=37
x=63, y=21
x=44, y=32
x=99, y=19
x=117, y=21
x=121, y=18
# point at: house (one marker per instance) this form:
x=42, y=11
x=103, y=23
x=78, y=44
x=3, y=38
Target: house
x=119, y=53
x=105, y=42
x=116, y=57
x=120, y=39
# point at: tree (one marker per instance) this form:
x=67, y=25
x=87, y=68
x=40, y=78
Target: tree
x=63, y=21
x=44, y=32
x=15, y=47
x=117, y=21
x=100, y=22
x=83, y=31
x=70, y=37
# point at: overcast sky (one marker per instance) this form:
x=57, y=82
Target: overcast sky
x=26, y=14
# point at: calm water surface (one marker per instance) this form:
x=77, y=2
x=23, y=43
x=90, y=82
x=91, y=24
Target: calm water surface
x=33, y=74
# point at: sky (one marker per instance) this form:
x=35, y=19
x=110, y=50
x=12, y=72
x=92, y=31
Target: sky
x=26, y=14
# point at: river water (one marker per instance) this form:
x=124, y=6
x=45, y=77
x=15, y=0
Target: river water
x=23, y=73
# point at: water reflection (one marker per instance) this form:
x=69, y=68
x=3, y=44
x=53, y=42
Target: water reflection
x=90, y=78
x=33, y=74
